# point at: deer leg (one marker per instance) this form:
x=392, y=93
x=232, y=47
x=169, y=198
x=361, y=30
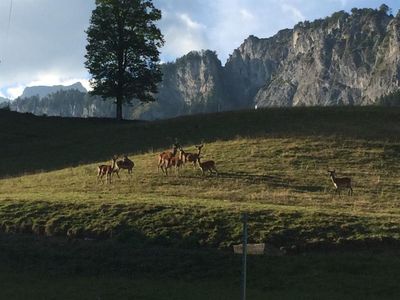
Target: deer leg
x=216, y=171
x=100, y=178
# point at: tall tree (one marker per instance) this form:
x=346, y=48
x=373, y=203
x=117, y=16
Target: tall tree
x=122, y=51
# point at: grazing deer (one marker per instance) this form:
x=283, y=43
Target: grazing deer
x=208, y=165
x=126, y=164
x=106, y=170
x=340, y=183
x=165, y=157
x=192, y=157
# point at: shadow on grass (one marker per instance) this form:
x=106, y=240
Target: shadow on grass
x=267, y=179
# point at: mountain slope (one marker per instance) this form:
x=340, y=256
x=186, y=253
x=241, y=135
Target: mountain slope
x=345, y=59
x=43, y=91
x=4, y=99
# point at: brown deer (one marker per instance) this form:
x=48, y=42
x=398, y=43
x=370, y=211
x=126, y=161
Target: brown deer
x=208, y=165
x=106, y=170
x=126, y=164
x=165, y=157
x=174, y=162
x=192, y=157
x=340, y=183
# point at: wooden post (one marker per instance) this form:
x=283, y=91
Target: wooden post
x=244, y=257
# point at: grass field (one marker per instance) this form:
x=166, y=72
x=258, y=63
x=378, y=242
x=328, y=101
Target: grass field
x=272, y=163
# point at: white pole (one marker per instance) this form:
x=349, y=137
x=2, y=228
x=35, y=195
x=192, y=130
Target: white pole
x=244, y=257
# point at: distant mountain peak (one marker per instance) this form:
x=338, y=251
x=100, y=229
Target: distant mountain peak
x=43, y=91
x=2, y=99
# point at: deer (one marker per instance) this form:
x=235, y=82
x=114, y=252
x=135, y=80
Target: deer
x=192, y=157
x=175, y=162
x=340, y=183
x=165, y=157
x=208, y=165
x=125, y=163
x=106, y=170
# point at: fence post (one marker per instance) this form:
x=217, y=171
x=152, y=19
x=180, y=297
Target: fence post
x=244, y=257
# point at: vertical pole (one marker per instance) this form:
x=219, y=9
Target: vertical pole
x=244, y=257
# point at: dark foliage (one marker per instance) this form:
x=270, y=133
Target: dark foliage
x=391, y=99
x=122, y=51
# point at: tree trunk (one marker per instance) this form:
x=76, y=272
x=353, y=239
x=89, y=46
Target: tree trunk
x=119, y=108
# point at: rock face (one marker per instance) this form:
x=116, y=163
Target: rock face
x=43, y=91
x=192, y=84
x=344, y=59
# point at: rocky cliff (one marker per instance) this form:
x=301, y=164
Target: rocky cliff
x=43, y=91
x=192, y=84
x=345, y=59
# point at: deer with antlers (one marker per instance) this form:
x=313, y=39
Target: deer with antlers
x=106, y=170
x=124, y=164
x=208, y=165
x=192, y=157
x=165, y=157
x=340, y=183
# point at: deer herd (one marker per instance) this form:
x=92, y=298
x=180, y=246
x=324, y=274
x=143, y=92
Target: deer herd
x=177, y=157
x=173, y=159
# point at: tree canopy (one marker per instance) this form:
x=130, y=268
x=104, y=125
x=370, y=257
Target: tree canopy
x=122, y=51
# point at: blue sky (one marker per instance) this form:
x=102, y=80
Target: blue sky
x=45, y=42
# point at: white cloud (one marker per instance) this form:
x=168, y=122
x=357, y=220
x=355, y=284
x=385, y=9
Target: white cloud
x=295, y=13
x=182, y=34
x=2, y=95
x=47, y=79
x=190, y=23
x=246, y=15
x=14, y=92
x=343, y=3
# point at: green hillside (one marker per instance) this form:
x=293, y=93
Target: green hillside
x=273, y=164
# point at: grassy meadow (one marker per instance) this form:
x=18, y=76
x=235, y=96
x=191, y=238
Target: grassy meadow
x=174, y=234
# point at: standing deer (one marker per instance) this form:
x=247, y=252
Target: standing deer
x=125, y=163
x=208, y=165
x=175, y=162
x=192, y=157
x=340, y=183
x=165, y=157
x=106, y=170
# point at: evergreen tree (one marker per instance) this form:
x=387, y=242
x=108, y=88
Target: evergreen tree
x=122, y=51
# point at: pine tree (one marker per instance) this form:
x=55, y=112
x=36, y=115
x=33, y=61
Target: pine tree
x=122, y=52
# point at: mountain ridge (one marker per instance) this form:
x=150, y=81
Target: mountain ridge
x=43, y=91
x=344, y=59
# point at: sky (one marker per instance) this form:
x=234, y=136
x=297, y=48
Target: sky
x=43, y=43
